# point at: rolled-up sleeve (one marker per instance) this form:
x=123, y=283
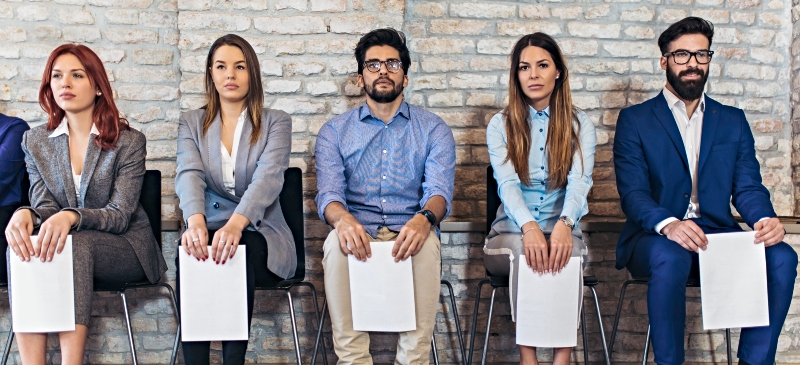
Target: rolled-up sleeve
x=329, y=164
x=579, y=179
x=440, y=167
x=508, y=182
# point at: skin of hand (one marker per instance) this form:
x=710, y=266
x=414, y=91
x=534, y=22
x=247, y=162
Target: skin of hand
x=687, y=234
x=227, y=238
x=53, y=234
x=770, y=231
x=18, y=234
x=195, y=239
x=535, y=247
x=411, y=238
x=560, y=248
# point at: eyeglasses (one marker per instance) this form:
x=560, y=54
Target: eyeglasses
x=683, y=56
x=393, y=66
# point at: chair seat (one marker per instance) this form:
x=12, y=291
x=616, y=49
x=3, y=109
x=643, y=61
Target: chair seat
x=119, y=286
x=502, y=281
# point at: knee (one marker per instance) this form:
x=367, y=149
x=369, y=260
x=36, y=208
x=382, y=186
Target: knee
x=670, y=260
x=331, y=247
x=782, y=260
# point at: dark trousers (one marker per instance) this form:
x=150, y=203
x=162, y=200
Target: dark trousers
x=669, y=266
x=233, y=352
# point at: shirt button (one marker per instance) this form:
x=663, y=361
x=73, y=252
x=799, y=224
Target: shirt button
x=541, y=148
x=539, y=114
x=385, y=127
x=541, y=198
x=384, y=217
x=384, y=200
x=536, y=209
x=384, y=177
x=685, y=195
x=541, y=130
x=542, y=167
x=216, y=205
x=384, y=151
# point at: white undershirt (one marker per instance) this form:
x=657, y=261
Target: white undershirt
x=76, y=179
x=691, y=129
x=63, y=128
x=229, y=159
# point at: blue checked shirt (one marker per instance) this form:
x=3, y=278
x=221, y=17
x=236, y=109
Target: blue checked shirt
x=384, y=172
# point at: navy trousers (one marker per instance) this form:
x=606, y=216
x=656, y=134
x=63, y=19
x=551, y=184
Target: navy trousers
x=669, y=266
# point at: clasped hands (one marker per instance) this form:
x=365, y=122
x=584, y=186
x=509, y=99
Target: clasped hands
x=353, y=239
x=51, y=239
x=224, y=243
x=547, y=257
x=689, y=235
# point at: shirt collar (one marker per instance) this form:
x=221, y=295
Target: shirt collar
x=673, y=101
x=533, y=112
x=365, y=112
x=63, y=128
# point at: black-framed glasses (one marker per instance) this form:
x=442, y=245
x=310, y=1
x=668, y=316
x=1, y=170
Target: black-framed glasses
x=683, y=56
x=393, y=66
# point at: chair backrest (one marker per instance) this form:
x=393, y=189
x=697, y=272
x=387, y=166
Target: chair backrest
x=492, y=198
x=291, y=200
x=150, y=199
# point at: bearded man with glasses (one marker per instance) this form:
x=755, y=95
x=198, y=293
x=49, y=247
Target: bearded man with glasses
x=681, y=159
x=385, y=172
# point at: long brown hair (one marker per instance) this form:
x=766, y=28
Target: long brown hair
x=254, y=101
x=105, y=114
x=563, y=130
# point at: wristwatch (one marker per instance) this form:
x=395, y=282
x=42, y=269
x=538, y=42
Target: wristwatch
x=428, y=214
x=567, y=221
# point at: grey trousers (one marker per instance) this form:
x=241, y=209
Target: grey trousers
x=98, y=256
x=501, y=255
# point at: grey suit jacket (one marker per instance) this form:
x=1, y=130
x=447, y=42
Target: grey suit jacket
x=259, y=180
x=111, y=183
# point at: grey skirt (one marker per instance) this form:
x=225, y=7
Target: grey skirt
x=502, y=253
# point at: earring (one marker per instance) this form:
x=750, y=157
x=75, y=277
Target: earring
x=99, y=93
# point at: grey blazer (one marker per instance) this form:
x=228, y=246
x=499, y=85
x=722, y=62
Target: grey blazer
x=259, y=180
x=111, y=183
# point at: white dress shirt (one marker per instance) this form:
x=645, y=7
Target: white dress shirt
x=691, y=129
x=63, y=128
x=229, y=159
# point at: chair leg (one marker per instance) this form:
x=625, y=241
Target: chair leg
x=9, y=340
x=616, y=317
x=319, y=330
x=434, y=350
x=646, y=346
x=600, y=324
x=178, y=316
x=457, y=320
x=130, y=329
x=728, y=342
x=475, y=320
x=294, y=328
x=488, y=328
x=316, y=311
x=583, y=332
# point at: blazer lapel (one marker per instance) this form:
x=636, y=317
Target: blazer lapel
x=89, y=165
x=213, y=139
x=710, y=124
x=242, y=156
x=65, y=166
x=664, y=115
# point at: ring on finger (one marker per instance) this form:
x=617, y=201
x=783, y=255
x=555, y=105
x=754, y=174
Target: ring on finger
x=195, y=239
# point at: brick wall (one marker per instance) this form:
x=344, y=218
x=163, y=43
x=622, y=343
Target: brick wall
x=154, y=51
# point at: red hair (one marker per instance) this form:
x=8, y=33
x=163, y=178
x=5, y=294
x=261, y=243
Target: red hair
x=105, y=115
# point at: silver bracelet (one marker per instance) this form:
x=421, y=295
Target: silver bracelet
x=522, y=237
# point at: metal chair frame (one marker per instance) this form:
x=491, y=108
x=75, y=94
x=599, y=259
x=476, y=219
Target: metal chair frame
x=692, y=283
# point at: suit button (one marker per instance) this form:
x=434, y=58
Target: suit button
x=258, y=223
x=216, y=205
x=685, y=196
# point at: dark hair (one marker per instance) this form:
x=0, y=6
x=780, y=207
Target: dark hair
x=105, y=115
x=690, y=25
x=254, y=101
x=383, y=37
x=562, y=135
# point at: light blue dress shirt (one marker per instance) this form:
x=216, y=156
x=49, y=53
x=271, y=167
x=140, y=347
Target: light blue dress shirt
x=521, y=203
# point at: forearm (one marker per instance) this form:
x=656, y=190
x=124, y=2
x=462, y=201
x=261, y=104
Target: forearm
x=334, y=213
x=438, y=206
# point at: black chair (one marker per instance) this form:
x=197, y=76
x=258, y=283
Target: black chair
x=691, y=283
x=291, y=199
x=24, y=188
x=492, y=204
x=150, y=199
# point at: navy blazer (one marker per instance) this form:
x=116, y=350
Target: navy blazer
x=653, y=172
x=12, y=168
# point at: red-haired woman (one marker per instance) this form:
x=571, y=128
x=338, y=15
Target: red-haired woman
x=86, y=167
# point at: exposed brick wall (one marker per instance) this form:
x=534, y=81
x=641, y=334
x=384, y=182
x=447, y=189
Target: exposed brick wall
x=154, y=51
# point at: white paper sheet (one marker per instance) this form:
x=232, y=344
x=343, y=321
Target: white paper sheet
x=214, y=298
x=548, y=306
x=733, y=282
x=42, y=293
x=382, y=292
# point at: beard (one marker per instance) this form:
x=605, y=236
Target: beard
x=383, y=97
x=687, y=90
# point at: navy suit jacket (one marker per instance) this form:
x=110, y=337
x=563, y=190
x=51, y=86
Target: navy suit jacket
x=653, y=173
x=12, y=167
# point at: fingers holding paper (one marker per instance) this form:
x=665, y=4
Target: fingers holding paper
x=560, y=247
x=411, y=238
x=770, y=231
x=353, y=239
x=18, y=234
x=535, y=247
x=687, y=234
x=53, y=234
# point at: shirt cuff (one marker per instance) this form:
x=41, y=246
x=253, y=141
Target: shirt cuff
x=663, y=224
x=763, y=219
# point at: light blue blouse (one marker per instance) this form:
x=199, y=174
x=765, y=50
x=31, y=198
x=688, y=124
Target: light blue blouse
x=521, y=203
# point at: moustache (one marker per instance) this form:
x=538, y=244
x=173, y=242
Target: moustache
x=382, y=78
x=692, y=71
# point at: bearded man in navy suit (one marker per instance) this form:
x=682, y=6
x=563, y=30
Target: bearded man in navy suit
x=681, y=158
